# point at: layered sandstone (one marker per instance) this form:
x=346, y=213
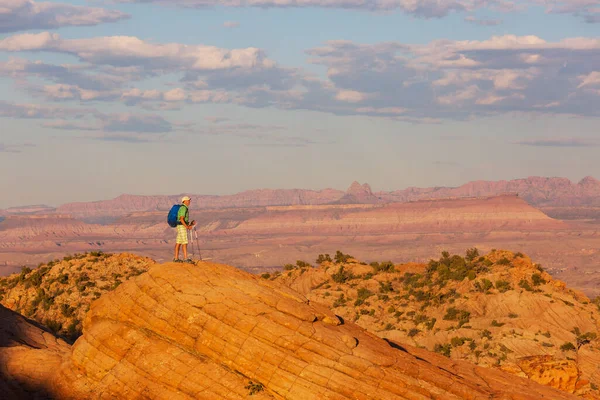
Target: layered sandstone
x=210, y=331
x=538, y=191
x=29, y=358
x=499, y=310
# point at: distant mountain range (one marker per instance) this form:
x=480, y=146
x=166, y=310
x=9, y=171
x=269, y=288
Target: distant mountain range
x=537, y=191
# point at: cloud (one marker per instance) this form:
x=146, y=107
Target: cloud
x=70, y=125
x=586, y=9
x=482, y=22
x=19, y=15
x=559, y=142
x=425, y=83
x=129, y=51
x=231, y=24
x=36, y=111
x=135, y=123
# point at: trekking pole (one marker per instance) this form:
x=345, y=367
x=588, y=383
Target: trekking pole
x=190, y=240
x=197, y=243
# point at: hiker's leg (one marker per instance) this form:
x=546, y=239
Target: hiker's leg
x=184, y=246
x=177, y=246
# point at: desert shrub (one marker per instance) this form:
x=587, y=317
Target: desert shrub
x=455, y=314
x=289, y=267
x=567, y=346
x=537, y=280
x=430, y=324
x=583, y=339
x=53, y=325
x=503, y=261
x=322, y=258
x=523, y=283
x=266, y=275
x=513, y=315
x=472, y=254
x=413, y=332
x=503, y=286
x=367, y=276
x=385, y=287
x=546, y=344
x=254, y=388
x=341, y=276
x=519, y=255
x=341, y=257
x=302, y=264
x=386, y=266
x=340, y=301
x=458, y=341
x=389, y=327
x=486, y=334
x=66, y=310
x=496, y=323
x=443, y=349
x=547, y=334
x=483, y=286
x=73, y=331
x=362, y=295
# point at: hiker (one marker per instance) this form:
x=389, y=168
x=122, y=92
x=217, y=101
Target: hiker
x=183, y=225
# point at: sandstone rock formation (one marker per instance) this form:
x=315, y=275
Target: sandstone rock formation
x=58, y=294
x=210, y=331
x=29, y=358
x=499, y=310
x=538, y=191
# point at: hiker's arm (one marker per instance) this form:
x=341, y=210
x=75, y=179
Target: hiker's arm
x=182, y=220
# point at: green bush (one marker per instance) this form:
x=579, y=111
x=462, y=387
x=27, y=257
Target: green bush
x=413, y=332
x=341, y=276
x=483, y=286
x=525, y=285
x=362, y=295
x=341, y=257
x=385, y=287
x=496, y=323
x=567, y=346
x=472, y=254
x=537, y=280
x=503, y=286
x=322, y=258
x=455, y=314
x=443, y=349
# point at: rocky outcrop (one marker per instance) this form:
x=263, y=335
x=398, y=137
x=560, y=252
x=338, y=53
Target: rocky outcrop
x=538, y=191
x=358, y=194
x=29, y=358
x=498, y=310
x=58, y=294
x=210, y=331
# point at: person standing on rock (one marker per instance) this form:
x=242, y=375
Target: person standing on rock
x=183, y=225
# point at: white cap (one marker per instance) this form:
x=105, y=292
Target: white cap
x=184, y=198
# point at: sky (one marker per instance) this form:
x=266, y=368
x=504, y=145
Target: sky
x=100, y=98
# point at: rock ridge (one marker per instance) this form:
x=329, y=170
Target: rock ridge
x=210, y=331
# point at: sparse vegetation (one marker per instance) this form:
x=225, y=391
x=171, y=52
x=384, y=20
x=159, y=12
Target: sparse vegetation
x=254, y=388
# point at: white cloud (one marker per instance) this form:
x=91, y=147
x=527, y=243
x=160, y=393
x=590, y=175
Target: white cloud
x=350, y=96
x=129, y=51
x=18, y=15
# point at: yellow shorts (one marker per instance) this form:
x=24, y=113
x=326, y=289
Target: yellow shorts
x=182, y=236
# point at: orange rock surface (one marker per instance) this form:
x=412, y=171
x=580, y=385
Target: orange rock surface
x=210, y=331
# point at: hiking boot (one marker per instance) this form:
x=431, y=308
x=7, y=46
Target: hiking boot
x=189, y=261
x=177, y=260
